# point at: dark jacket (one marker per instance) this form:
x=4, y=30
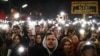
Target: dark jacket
x=61, y=53
x=14, y=51
x=45, y=51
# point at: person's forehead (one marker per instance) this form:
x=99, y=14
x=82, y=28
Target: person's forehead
x=15, y=28
x=38, y=36
x=74, y=36
x=66, y=43
x=17, y=37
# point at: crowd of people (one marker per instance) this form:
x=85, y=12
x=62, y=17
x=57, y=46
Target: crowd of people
x=49, y=41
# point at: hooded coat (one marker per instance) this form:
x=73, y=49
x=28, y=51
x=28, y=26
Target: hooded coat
x=45, y=51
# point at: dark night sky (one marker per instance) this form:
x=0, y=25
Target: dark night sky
x=49, y=8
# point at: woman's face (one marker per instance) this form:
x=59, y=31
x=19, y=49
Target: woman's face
x=67, y=46
x=75, y=39
x=38, y=39
x=16, y=40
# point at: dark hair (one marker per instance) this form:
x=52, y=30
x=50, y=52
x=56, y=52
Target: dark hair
x=16, y=26
x=54, y=29
x=49, y=34
x=86, y=47
x=37, y=26
x=18, y=36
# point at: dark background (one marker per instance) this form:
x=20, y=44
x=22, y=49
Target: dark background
x=48, y=8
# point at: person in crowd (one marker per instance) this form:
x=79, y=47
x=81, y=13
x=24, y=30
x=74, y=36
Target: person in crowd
x=25, y=38
x=57, y=34
x=8, y=39
x=17, y=49
x=45, y=29
x=66, y=47
x=98, y=46
x=65, y=31
x=31, y=40
x=75, y=42
x=1, y=44
x=31, y=45
x=93, y=38
x=49, y=48
x=38, y=40
x=88, y=49
x=37, y=45
x=15, y=30
x=38, y=29
x=71, y=32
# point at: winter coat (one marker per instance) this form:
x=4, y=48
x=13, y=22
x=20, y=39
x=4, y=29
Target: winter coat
x=14, y=51
x=45, y=51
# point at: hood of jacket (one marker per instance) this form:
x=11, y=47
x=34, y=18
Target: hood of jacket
x=45, y=46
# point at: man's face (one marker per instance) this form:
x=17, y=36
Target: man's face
x=88, y=52
x=56, y=30
x=37, y=29
x=15, y=30
x=50, y=41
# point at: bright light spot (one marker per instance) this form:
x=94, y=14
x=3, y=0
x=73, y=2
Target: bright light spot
x=82, y=31
x=5, y=26
x=59, y=28
x=54, y=22
x=75, y=18
x=92, y=28
x=98, y=23
x=41, y=22
x=74, y=23
x=30, y=23
x=67, y=25
x=16, y=15
x=98, y=28
x=23, y=21
x=28, y=18
x=90, y=17
x=5, y=0
x=62, y=13
x=83, y=25
x=6, y=17
x=1, y=25
x=15, y=23
x=45, y=23
x=88, y=43
x=89, y=23
x=56, y=25
x=21, y=49
x=49, y=21
x=25, y=5
x=62, y=22
x=83, y=20
x=94, y=21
